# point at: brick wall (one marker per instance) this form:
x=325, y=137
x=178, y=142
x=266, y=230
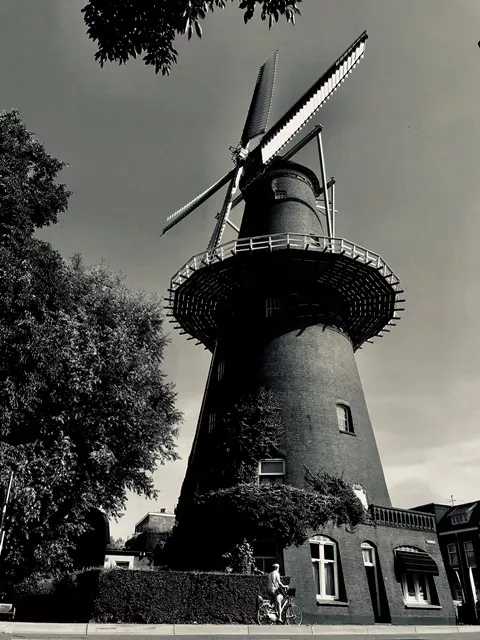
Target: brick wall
x=298, y=565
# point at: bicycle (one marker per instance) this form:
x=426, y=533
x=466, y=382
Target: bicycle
x=290, y=613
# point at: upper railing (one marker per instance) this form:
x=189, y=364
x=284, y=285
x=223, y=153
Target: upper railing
x=286, y=241
x=403, y=518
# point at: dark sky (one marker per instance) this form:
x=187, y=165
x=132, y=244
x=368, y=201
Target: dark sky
x=402, y=137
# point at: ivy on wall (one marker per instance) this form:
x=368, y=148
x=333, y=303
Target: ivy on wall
x=232, y=509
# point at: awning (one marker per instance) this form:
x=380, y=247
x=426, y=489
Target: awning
x=416, y=562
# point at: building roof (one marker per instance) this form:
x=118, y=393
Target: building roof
x=155, y=513
x=454, y=518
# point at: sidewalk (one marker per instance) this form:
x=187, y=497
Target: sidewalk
x=55, y=629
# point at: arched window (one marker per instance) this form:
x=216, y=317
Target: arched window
x=416, y=569
x=344, y=417
x=361, y=494
x=324, y=554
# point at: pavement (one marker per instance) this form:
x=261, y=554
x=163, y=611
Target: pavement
x=51, y=631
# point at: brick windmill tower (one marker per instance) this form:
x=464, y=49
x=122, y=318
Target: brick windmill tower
x=285, y=306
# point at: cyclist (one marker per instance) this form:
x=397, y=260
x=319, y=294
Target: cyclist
x=274, y=586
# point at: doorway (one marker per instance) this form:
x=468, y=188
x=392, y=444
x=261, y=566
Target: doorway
x=376, y=587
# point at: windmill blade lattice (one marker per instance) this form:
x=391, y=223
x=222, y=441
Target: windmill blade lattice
x=311, y=101
x=182, y=213
x=255, y=124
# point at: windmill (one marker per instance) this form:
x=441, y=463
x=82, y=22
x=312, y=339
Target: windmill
x=250, y=165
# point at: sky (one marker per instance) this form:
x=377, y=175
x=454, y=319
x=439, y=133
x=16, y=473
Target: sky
x=401, y=136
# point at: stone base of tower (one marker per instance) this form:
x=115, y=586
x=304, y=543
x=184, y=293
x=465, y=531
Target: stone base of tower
x=371, y=592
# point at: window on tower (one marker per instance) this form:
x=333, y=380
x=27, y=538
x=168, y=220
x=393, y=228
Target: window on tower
x=344, y=417
x=324, y=554
x=271, y=471
x=273, y=307
x=212, y=419
x=280, y=195
x=220, y=370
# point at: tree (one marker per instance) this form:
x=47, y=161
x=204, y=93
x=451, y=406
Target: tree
x=85, y=411
x=117, y=543
x=124, y=29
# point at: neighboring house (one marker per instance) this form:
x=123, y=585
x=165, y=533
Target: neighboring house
x=122, y=559
x=458, y=530
x=152, y=529
x=156, y=521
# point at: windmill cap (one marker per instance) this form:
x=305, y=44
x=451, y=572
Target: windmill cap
x=282, y=166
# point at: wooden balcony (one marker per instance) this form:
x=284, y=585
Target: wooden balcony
x=402, y=518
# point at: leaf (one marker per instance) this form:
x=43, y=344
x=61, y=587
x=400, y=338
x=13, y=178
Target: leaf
x=198, y=29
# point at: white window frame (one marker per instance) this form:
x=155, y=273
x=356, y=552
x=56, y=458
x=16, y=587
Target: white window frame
x=368, y=550
x=212, y=420
x=417, y=599
x=273, y=475
x=452, y=551
x=322, y=542
x=469, y=550
x=273, y=307
x=220, y=370
x=345, y=423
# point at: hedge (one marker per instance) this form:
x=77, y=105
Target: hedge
x=148, y=597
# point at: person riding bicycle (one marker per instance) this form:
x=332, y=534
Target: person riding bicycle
x=274, y=586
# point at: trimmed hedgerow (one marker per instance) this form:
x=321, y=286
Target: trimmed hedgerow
x=171, y=597
x=142, y=596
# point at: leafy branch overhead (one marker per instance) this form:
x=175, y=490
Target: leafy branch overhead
x=124, y=29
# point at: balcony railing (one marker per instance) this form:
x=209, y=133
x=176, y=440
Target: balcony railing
x=281, y=241
x=403, y=518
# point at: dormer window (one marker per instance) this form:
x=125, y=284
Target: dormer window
x=271, y=471
x=462, y=514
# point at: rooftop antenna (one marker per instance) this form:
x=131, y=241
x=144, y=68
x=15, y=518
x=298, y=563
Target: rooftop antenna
x=250, y=165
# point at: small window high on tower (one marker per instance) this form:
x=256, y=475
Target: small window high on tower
x=344, y=417
x=273, y=307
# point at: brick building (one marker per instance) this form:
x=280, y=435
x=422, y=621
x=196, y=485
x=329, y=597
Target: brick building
x=285, y=307
x=459, y=537
x=152, y=530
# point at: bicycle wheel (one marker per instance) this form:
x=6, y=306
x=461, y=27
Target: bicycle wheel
x=264, y=614
x=293, y=614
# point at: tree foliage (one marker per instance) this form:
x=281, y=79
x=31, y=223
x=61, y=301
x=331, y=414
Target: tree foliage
x=124, y=29
x=85, y=410
x=29, y=196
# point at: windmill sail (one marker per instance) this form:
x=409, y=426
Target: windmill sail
x=175, y=218
x=311, y=101
x=259, y=111
x=255, y=124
